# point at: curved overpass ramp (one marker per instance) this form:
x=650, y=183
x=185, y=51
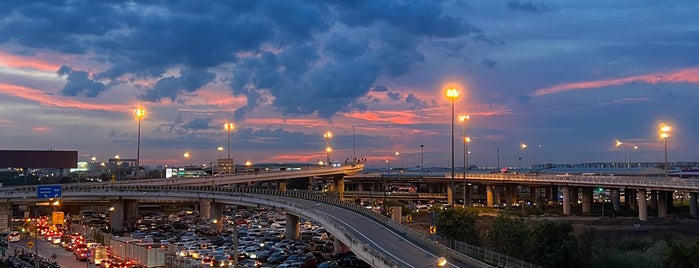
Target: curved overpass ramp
x=372, y=237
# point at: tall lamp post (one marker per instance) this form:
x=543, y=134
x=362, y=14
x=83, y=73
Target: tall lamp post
x=327, y=135
x=328, y=150
x=522, y=146
x=664, y=130
x=536, y=152
x=452, y=94
x=219, y=149
x=422, y=158
x=228, y=127
x=627, y=151
x=140, y=113
x=186, y=155
x=464, y=119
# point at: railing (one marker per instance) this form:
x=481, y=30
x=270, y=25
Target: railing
x=472, y=255
x=670, y=183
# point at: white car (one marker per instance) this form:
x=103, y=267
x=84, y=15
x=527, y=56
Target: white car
x=14, y=237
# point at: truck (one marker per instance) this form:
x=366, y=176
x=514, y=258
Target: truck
x=98, y=254
x=57, y=217
x=148, y=254
x=141, y=253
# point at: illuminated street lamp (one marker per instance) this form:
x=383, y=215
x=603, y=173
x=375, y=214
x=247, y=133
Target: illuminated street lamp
x=464, y=119
x=328, y=150
x=627, y=151
x=402, y=161
x=422, y=158
x=327, y=135
x=524, y=147
x=186, y=155
x=664, y=132
x=452, y=94
x=140, y=113
x=228, y=127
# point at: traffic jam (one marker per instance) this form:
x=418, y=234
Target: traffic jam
x=256, y=236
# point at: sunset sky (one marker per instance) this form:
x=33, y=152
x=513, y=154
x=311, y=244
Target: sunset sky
x=567, y=78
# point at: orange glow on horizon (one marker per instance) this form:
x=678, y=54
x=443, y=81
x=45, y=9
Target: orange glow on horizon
x=689, y=75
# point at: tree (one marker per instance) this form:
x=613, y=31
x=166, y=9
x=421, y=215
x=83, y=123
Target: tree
x=458, y=224
x=507, y=235
x=679, y=255
x=552, y=244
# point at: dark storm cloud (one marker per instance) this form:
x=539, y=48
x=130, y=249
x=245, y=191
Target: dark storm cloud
x=79, y=83
x=170, y=87
x=198, y=124
x=527, y=6
x=394, y=95
x=328, y=52
x=379, y=88
x=416, y=103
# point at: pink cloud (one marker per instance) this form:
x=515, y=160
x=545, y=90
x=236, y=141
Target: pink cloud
x=57, y=101
x=27, y=63
x=689, y=75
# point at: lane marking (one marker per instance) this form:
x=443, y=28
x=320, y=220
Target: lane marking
x=385, y=228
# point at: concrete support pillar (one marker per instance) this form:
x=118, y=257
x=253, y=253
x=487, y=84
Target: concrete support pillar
x=631, y=199
x=339, y=186
x=662, y=203
x=292, y=227
x=616, y=199
x=5, y=216
x=450, y=193
x=130, y=212
x=693, y=205
x=586, y=200
x=338, y=247
x=360, y=187
x=469, y=194
x=281, y=185
x=653, y=199
x=496, y=195
x=205, y=208
x=642, y=206
x=489, y=194
x=534, y=193
x=116, y=216
x=566, y=201
x=217, y=214
x=511, y=194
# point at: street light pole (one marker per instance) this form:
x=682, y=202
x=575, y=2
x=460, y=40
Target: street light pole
x=464, y=120
x=219, y=149
x=422, y=158
x=452, y=93
x=327, y=135
x=140, y=113
x=664, y=134
x=354, y=147
x=231, y=165
x=186, y=155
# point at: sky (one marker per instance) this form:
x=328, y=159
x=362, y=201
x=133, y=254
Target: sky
x=567, y=78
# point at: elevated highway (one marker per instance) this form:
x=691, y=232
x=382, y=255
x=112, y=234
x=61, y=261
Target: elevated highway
x=373, y=237
x=640, y=191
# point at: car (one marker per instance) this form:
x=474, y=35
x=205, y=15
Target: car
x=249, y=263
x=14, y=237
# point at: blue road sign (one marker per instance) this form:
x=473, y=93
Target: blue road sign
x=48, y=191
